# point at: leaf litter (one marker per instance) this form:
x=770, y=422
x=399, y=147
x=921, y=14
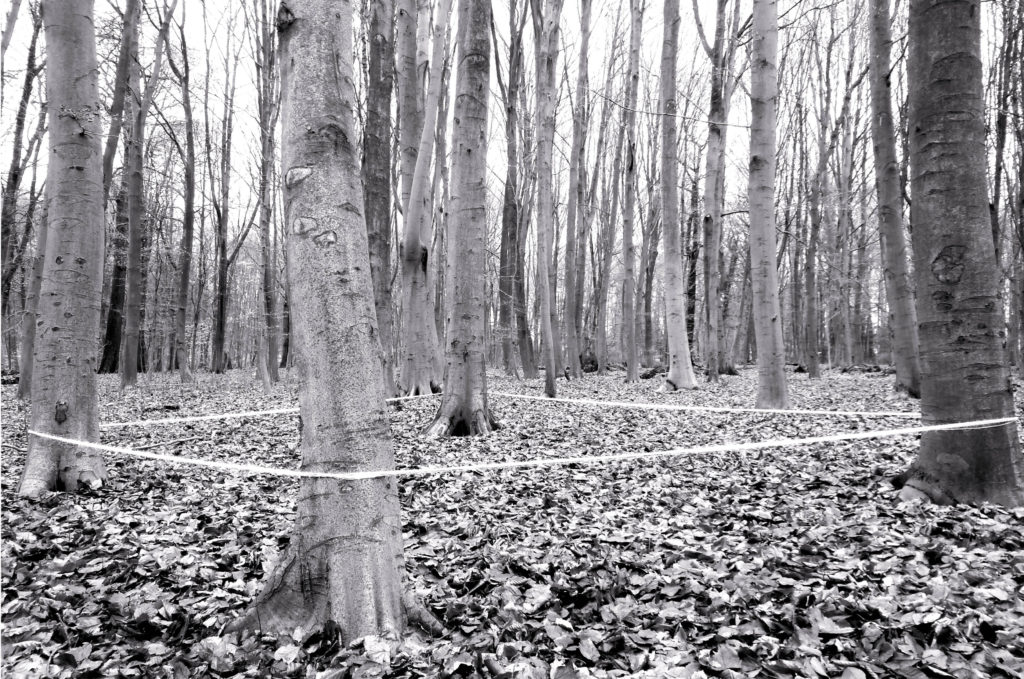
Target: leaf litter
x=787, y=562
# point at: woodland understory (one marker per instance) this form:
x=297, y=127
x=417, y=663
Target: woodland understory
x=789, y=562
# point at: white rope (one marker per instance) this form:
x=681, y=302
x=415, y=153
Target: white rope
x=711, y=409
x=484, y=466
x=229, y=416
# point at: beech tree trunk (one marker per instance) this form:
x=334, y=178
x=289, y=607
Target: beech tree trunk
x=463, y=409
x=680, y=368
x=28, y=325
x=546, y=17
x=964, y=368
x=629, y=196
x=266, y=103
x=420, y=334
x=377, y=175
x=764, y=92
x=64, y=401
x=898, y=290
x=344, y=561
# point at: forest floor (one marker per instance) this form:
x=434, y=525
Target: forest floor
x=786, y=562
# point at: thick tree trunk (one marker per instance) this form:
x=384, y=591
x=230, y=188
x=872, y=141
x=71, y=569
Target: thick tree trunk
x=898, y=291
x=344, y=561
x=546, y=17
x=680, y=369
x=629, y=196
x=64, y=399
x=964, y=368
x=771, y=352
x=463, y=409
x=377, y=175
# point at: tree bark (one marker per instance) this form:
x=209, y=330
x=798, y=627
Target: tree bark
x=344, y=561
x=898, y=291
x=629, y=195
x=764, y=87
x=266, y=103
x=377, y=175
x=964, y=368
x=680, y=368
x=546, y=17
x=64, y=401
x=464, y=409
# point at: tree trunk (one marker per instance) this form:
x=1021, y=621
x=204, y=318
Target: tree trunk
x=764, y=273
x=964, y=369
x=266, y=95
x=64, y=401
x=629, y=197
x=377, y=175
x=30, y=321
x=898, y=290
x=133, y=168
x=680, y=369
x=463, y=409
x=575, y=206
x=344, y=561
x=546, y=17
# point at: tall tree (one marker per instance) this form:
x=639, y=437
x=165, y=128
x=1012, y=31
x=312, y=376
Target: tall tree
x=137, y=223
x=771, y=352
x=343, y=563
x=680, y=368
x=64, y=401
x=377, y=175
x=964, y=368
x=265, y=49
x=575, y=213
x=629, y=194
x=188, y=218
x=898, y=290
x=464, y=409
x=419, y=365
x=546, y=18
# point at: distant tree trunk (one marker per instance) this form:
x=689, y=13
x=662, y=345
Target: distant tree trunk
x=344, y=561
x=680, y=369
x=576, y=191
x=898, y=290
x=610, y=213
x=125, y=57
x=64, y=401
x=28, y=325
x=377, y=175
x=764, y=90
x=266, y=103
x=181, y=357
x=463, y=409
x=546, y=17
x=964, y=369
x=418, y=366
x=629, y=198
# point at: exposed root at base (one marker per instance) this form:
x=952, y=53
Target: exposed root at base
x=916, y=484
x=457, y=421
x=418, y=614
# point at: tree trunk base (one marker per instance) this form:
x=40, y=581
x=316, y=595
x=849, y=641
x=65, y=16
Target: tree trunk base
x=456, y=420
x=676, y=383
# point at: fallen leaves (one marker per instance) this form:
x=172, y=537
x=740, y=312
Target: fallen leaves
x=793, y=562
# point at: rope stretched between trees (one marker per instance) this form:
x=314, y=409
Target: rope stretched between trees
x=541, y=462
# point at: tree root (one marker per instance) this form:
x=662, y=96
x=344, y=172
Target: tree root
x=458, y=421
x=917, y=484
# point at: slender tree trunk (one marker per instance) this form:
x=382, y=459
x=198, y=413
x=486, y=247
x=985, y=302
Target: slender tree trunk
x=771, y=352
x=344, y=561
x=266, y=94
x=64, y=401
x=28, y=325
x=964, y=368
x=680, y=369
x=546, y=17
x=898, y=291
x=418, y=366
x=629, y=198
x=575, y=206
x=463, y=409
